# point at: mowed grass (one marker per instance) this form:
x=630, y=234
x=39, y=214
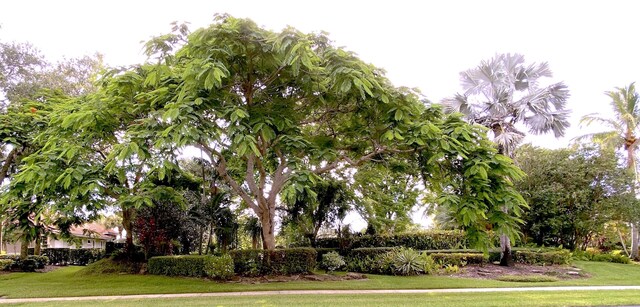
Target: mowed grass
x=70, y=282
x=557, y=298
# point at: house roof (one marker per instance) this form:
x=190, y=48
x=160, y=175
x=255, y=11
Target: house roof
x=93, y=230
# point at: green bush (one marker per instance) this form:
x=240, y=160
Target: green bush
x=192, y=266
x=419, y=241
x=459, y=259
x=320, y=252
x=429, y=265
x=542, y=257
x=85, y=256
x=597, y=255
x=332, y=261
x=219, y=267
x=27, y=265
x=5, y=264
x=57, y=256
x=274, y=262
x=407, y=261
x=40, y=261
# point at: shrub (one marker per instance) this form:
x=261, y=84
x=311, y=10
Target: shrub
x=407, y=261
x=542, y=257
x=85, y=256
x=322, y=251
x=274, y=262
x=40, y=261
x=27, y=265
x=5, y=264
x=459, y=259
x=332, y=261
x=429, y=265
x=419, y=241
x=57, y=256
x=219, y=267
x=451, y=269
x=597, y=255
x=110, y=266
x=192, y=266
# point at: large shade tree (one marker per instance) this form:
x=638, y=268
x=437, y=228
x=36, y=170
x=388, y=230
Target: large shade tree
x=505, y=95
x=621, y=132
x=267, y=107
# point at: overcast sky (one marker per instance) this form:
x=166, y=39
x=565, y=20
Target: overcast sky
x=590, y=45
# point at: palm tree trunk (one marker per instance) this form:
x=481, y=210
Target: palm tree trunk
x=631, y=164
x=24, y=248
x=1, y=236
x=506, y=258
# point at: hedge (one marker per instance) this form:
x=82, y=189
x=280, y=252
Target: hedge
x=65, y=256
x=542, y=257
x=459, y=259
x=30, y=264
x=426, y=240
x=5, y=264
x=274, y=262
x=193, y=266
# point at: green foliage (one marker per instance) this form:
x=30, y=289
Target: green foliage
x=219, y=267
x=332, y=261
x=5, y=264
x=111, y=266
x=29, y=264
x=85, y=256
x=274, y=262
x=57, y=256
x=191, y=266
x=572, y=194
x=424, y=240
x=451, y=269
x=542, y=257
x=407, y=261
x=596, y=255
x=459, y=259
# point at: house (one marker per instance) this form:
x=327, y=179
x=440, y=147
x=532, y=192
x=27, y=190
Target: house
x=90, y=235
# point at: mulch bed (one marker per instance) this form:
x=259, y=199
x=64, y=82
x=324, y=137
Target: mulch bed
x=301, y=277
x=492, y=271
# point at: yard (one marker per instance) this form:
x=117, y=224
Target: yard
x=70, y=281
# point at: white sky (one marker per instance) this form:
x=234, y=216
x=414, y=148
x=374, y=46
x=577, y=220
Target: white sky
x=590, y=45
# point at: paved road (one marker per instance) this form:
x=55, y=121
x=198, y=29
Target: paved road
x=321, y=292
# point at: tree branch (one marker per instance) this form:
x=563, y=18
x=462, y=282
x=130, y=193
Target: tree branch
x=7, y=164
x=335, y=164
x=221, y=168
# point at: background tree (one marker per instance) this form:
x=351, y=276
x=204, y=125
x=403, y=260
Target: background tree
x=572, y=194
x=29, y=87
x=501, y=94
x=312, y=208
x=622, y=133
x=387, y=194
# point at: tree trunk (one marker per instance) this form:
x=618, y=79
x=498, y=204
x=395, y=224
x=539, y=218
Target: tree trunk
x=631, y=164
x=1, y=236
x=38, y=246
x=634, y=241
x=506, y=258
x=127, y=224
x=254, y=242
x=268, y=236
x=24, y=249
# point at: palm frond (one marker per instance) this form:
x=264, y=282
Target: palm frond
x=608, y=138
x=552, y=121
x=457, y=103
x=595, y=118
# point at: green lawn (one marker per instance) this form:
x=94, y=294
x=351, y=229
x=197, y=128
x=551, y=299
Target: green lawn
x=67, y=282
x=581, y=298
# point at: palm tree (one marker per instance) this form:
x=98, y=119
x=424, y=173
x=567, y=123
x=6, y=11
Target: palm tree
x=623, y=132
x=503, y=94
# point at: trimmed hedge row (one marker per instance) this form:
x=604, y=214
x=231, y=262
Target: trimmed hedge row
x=192, y=266
x=433, y=240
x=459, y=259
x=66, y=256
x=255, y=262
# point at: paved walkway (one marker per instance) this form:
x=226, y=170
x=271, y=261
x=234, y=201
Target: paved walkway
x=320, y=292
